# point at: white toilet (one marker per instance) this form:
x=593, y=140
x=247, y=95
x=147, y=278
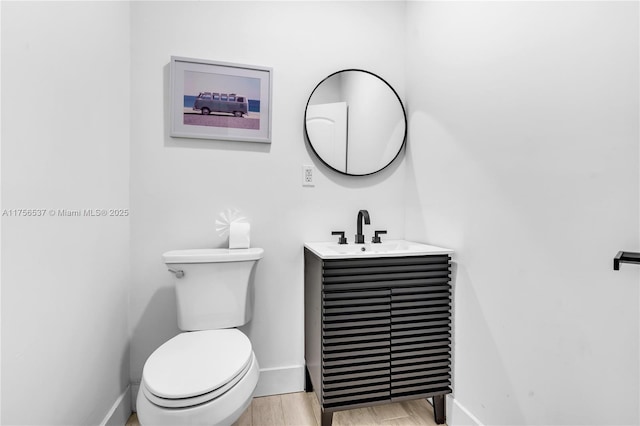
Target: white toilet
x=206, y=375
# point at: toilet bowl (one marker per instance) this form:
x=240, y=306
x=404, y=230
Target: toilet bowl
x=198, y=378
x=206, y=375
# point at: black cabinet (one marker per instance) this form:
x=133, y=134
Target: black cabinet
x=377, y=330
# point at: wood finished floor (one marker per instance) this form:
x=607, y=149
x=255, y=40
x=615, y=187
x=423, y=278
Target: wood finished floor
x=302, y=409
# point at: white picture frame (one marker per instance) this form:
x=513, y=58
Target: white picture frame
x=220, y=100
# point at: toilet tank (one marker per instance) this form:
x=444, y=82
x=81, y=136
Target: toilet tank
x=214, y=287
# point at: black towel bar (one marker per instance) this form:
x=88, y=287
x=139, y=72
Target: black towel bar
x=625, y=257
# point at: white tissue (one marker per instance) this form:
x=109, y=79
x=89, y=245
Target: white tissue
x=227, y=217
x=239, y=235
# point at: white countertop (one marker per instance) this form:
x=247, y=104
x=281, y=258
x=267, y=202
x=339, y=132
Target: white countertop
x=391, y=248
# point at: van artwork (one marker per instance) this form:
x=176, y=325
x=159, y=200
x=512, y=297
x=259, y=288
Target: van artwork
x=216, y=109
x=208, y=102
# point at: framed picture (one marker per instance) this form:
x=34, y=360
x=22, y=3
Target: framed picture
x=219, y=100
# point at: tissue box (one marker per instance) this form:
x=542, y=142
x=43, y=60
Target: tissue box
x=239, y=235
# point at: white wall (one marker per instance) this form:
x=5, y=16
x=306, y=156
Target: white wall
x=179, y=186
x=0, y=223
x=523, y=157
x=65, y=142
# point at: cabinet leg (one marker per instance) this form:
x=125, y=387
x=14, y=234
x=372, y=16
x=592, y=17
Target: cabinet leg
x=327, y=418
x=308, y=386
x=439, y=409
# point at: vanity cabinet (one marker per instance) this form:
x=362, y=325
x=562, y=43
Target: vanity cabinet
x=377, y=330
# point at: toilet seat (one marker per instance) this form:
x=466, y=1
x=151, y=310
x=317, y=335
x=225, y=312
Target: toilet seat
x=195, y=367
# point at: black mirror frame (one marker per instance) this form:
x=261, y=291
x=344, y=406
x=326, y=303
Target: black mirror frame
x=404, y=115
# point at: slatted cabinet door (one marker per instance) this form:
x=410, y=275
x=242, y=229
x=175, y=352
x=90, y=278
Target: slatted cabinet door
x=356, y=339
x=421, y=335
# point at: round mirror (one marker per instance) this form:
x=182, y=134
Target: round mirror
x=355, y=122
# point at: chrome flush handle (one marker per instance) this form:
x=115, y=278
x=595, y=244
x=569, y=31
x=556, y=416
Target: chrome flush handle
x=178, y=273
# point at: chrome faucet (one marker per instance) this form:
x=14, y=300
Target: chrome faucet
x=362, y=214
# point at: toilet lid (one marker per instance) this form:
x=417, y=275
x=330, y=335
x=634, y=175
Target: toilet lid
x=196, y=362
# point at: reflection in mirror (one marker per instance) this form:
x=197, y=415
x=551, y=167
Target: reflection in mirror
x=355, y=122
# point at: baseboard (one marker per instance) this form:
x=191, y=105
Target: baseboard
x=120, y=410
x=275, y=381
x=458, y=415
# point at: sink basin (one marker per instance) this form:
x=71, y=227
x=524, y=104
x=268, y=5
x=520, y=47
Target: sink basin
x=391, y=248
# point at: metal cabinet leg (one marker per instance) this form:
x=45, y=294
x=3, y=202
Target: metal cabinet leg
x=327, y=418
x=439, y=409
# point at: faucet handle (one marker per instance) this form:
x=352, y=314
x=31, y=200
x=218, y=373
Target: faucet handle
x=376, y=238
x=342, y=239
